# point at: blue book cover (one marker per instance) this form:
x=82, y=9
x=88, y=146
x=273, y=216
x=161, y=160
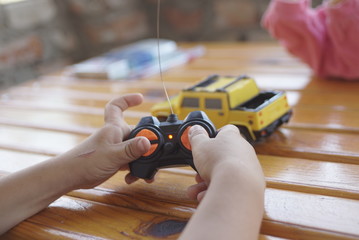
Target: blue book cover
x=136, y=60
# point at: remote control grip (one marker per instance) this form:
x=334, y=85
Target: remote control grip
x=145, y=171
x=196, y=115
x=150, y=120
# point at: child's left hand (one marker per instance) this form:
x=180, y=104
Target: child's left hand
x=105, y=152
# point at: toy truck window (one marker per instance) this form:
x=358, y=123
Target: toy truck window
x=190, y=102
x=212, y=103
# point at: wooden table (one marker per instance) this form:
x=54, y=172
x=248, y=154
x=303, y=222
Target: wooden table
x=311, y=165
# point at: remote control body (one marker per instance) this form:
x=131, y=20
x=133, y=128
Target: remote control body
x=169, y=142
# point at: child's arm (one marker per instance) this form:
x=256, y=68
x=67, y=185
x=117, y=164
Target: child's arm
x=325, y=38
x=230, y=189
x=299, y=28
x=26, y=192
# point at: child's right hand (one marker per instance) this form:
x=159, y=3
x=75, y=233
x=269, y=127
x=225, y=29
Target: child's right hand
x=227, y=151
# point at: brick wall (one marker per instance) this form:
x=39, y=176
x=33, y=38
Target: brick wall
x=34, y=38
x=209, y=20
x=102, y=25
x=38, y=36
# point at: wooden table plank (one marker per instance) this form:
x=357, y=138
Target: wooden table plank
x=321, y=177
x=12, y=161
x=310, y=116
x=91, y=219
x=168, y=191
x=339, y=117
x=299, y=143
x=332, y=99
x=88, y=118
x=274, y=197
x=317, y=177
x=283, y=208
x=309, y=144
x=28, y=230
x=297, y=208
x=37, y=141
x=325, y=119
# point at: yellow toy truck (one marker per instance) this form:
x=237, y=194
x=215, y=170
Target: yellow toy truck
x=231, y=100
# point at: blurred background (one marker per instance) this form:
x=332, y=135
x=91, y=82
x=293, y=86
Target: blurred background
x=39, y=36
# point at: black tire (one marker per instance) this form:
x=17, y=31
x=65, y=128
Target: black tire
x=245, y=134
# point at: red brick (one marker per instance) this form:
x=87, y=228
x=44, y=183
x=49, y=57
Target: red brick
x=123, y=28
x=22, y=51
x=234, y=13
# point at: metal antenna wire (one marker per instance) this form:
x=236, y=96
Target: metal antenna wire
x=159, y=53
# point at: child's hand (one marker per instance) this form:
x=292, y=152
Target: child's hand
x=231, y=187
x=85, y=166
x=105, y=152
x=228, y=150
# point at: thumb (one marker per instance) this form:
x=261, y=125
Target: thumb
x=197, y=135
x=133, y=148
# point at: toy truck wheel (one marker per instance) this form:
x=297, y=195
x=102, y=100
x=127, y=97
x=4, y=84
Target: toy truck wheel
x=245, y=134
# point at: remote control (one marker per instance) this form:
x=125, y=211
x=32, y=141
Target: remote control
x=169, y=142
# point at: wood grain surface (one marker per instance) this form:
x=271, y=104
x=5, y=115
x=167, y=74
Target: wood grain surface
x=311, y=164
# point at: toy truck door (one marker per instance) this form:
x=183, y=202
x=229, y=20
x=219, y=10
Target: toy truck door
x=216, y=111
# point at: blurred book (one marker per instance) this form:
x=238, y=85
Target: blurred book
x=136, y=60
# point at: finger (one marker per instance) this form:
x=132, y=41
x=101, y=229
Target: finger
x=150, y=180
x=194, y=190
x=115, y=108
x=199, y=179
x=132, y=149
x=124, y=168
x=201, y=195
x=197, y=135
x=129, y=179
x=228, y=129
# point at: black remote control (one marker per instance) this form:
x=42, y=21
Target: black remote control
x=169, y=142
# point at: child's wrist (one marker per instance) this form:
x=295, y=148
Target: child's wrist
x=235, y=173
x=70, y=169
x=66, y=173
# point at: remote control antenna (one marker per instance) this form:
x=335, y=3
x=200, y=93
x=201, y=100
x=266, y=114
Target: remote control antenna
x=159, y=53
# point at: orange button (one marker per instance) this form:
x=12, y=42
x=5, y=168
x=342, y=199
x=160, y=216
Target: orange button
x=185, y=140
x=147, y=134
x=152, y=150
x=150, y=135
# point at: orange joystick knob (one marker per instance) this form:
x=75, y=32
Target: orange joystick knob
x=185, y=140
x=150, y=135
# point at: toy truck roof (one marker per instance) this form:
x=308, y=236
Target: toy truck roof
x=239, y=89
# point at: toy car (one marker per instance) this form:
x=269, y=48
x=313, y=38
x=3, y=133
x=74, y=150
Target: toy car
x=231, y=100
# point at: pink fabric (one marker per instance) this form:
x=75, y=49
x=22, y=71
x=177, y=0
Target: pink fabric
x=326, y=38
